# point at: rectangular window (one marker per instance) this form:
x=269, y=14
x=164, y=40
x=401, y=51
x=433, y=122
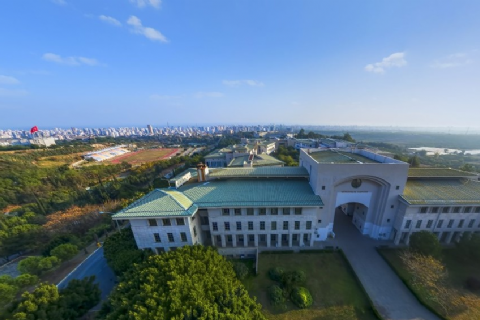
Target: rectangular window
x=152, y=222
x=407, y=224
x=238, y=212
x=456, y=209
x=250, y=225
x=194, y=231
x=250, y=212
x=226, y=212
x=309, y=225
x=204, y=221
x=435, y=210
x=298, y=211
x=285, y=225
x=239, y=225
x=274, y=225
x=419, y=224
x=156, y=236
x=251, y=238
x=273, y=237
x=219, y=240
x=477, y=210
x=262, y=238
x=445, y=209
x=227, y=226
x=467, y=209
x=470, y=223
x=274, y=211
x=397, y=188
x=323, y=187
x=229, y=238
x=166, y=222
x=439, y=223
x=297, y=225
x=423, y=209
x=262, y=225
x=183, y=236
x=180, y=222
x=429, y=223
x=305, y=237
x=263, y=211
x=170, y=237
x=460, y=223
x=450, y=223
x=286, y=211
x=215, y=226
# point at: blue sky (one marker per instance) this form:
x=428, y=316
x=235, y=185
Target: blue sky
x=132, y=62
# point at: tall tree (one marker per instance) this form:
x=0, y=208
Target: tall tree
x=193, y=282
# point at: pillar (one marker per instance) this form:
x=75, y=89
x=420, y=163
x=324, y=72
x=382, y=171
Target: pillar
x=289, y=240
x=224, y=243
x=245, y=240
x=269, y=237
x=449, y=238
x=255, y=238
x=234, y=240
x=311, y=240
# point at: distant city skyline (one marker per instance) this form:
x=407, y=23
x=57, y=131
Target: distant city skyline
x=86, y=63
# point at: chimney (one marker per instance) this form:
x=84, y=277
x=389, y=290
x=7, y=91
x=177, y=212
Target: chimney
x=202, y=172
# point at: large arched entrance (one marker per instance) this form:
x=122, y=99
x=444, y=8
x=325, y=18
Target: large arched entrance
x=348, y=216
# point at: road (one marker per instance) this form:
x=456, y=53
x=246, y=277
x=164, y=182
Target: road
x=95, y=265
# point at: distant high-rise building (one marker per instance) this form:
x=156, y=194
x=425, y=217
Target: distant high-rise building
x=150, y=129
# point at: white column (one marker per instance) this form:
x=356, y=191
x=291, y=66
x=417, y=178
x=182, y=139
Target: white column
x=449, y=238
x=256, y=240
x=290, y=240
x=269, y=235
x=224, y=243
x=245, y=240
x=311, y=240
x=234, y=240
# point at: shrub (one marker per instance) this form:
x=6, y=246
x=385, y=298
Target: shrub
x=25, y=280
x=48, y=263
x=301, y=297
x=472, y=283
x=275, y=293
x=30, y=265
x=64, y=251
x=7, y=292
x=240, y=269
x=426, y=243
x=276, y=273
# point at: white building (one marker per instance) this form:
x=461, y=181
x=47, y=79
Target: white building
x=265, y=207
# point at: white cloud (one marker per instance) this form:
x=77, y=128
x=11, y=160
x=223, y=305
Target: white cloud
x=238, y=83
x=150, y=33
x=12, y=93
x=163, y=97
x=202, y=94
x=110, y=20
x=452, y=61
x=143, y=3
x=8, y=80
x=71, y=61
x=394, y=60
x=59, y=2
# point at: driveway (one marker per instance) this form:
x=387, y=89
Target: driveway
x=95, y=265
x=390, y=296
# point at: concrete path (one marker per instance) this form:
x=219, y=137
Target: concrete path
x=95, y=265
x=390, y=296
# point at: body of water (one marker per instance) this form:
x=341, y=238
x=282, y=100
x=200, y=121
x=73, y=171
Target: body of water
x=442, y=151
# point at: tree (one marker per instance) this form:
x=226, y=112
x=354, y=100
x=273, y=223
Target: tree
x=301, y=297
x=469, y=247
x=240, y=269
x=426, y=243
x=30, y=265
x=64, y=251
x=7, y=291
x=275, y=293
x=414, y=162
x=192, y=282
x=121, y=251
x=468, y=167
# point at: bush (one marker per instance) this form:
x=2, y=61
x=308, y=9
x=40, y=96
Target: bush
x=58, y=240
x=293, y=279
x=276, y=273
x=64, y=251
x=275, y=293
x=426, y=243
x=472, y=284
x=7, y=292
x=301, y=297
x=240, y=269
x=30, y=265
x=25, y=280
x=48, y=263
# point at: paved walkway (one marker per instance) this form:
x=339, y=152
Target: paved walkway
x=391, y=297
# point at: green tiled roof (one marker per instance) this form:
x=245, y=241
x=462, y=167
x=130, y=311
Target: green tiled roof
x=437, y=172
x=258, y=160
x=259, y=172
x=159, y=202
x=192, y=171
x=215, y=155
x=252, y=193
x=428, y=191
x=329, y=156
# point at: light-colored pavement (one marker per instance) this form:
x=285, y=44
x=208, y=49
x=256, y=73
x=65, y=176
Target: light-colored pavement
x=391, y=297
x=95, y=265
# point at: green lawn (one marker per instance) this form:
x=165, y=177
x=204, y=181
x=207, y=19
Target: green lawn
x=335, y=291
x=458, y=271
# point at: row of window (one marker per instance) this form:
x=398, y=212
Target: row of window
x=166, y=222
x=450, y=224
x=449, y=209
x=261, y=211
x=261, y=238
x=171, y=236
x=273, y=225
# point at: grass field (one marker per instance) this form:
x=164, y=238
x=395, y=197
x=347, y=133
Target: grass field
x=143, y=156
x=57, y=161
x=458, y=271
x=335, y=291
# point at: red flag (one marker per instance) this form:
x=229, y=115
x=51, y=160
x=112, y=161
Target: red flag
x=34, y=129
